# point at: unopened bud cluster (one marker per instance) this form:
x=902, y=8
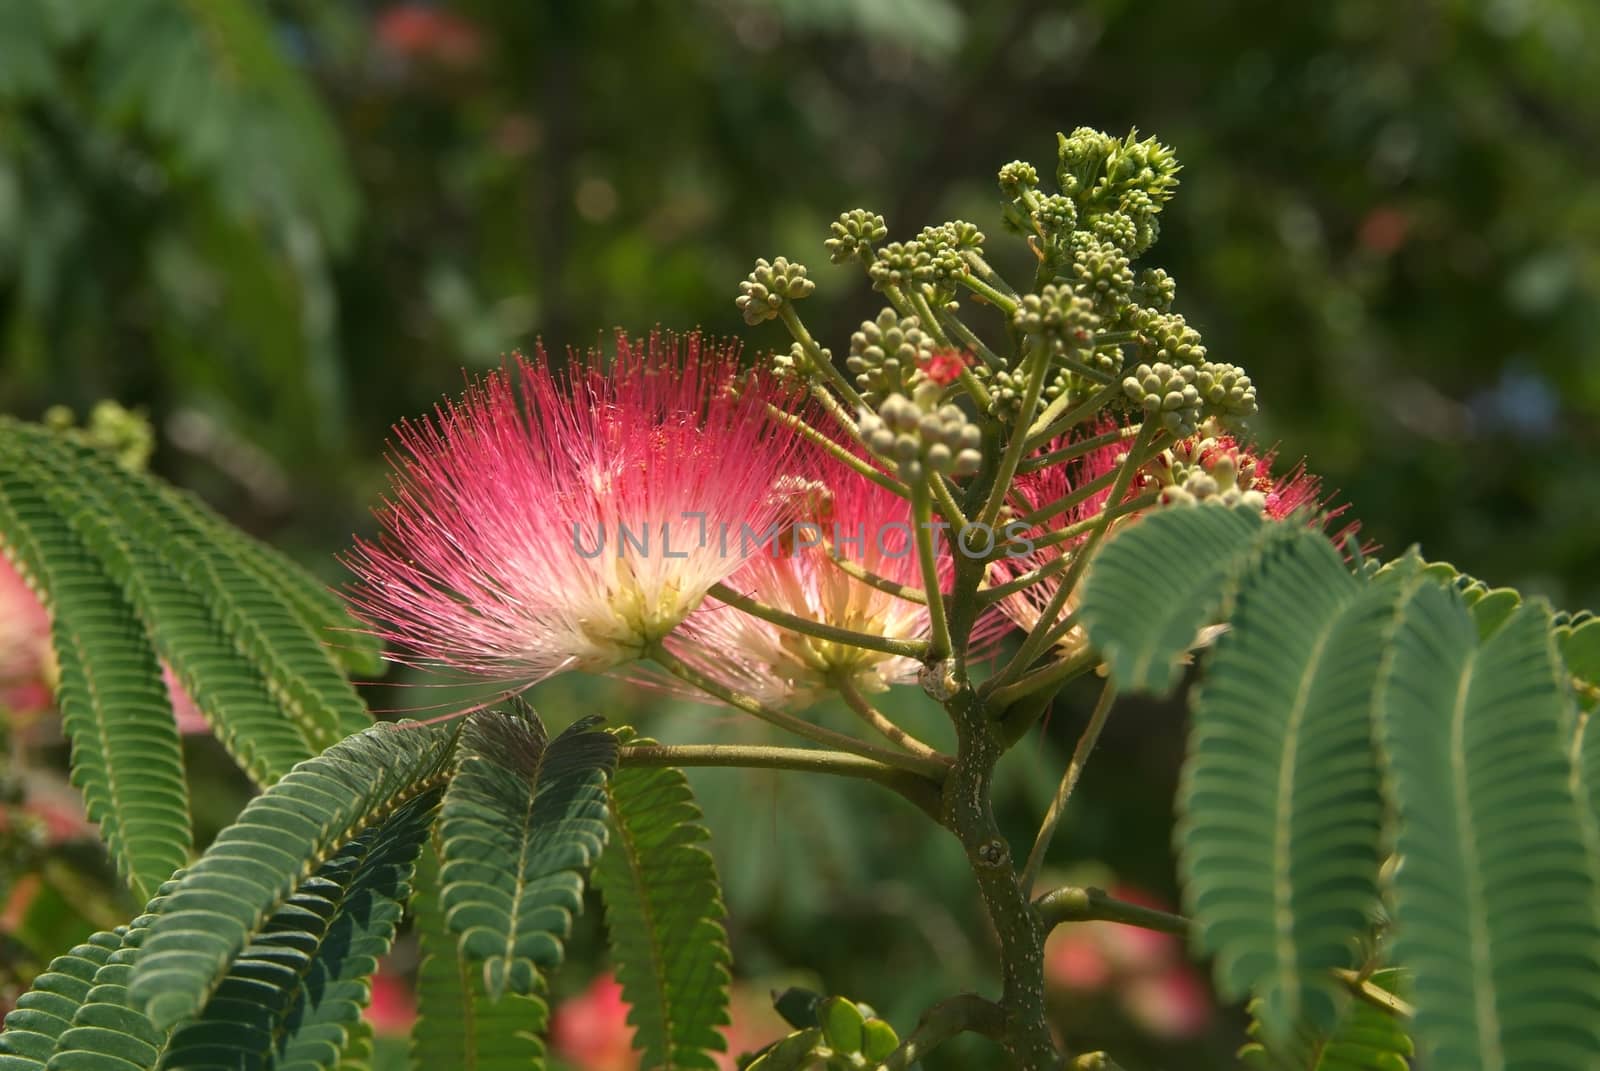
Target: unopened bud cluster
x=920, y=436
x=770, y=287
x=854, y=234
x=886, y=354
x=1207, y=469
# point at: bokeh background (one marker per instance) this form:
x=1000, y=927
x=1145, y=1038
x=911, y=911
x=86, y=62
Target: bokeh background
x=280, y=226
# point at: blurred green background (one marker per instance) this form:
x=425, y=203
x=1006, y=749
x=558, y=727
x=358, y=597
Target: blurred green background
x=281, y=226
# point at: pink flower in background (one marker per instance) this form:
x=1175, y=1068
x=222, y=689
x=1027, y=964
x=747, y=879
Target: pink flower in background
x=1144, y=971
x=945, y=366
x=568, y=520
x=184, y=711
x=425, y=32
x=591, y=1031
x=393, y=1009
x=27, y=664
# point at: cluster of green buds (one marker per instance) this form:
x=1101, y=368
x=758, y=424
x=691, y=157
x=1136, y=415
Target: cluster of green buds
x=838, y=1034
x=126, y=433
x=920, y=436
x=1207, y=467
x=886, y=355
x=770, y=287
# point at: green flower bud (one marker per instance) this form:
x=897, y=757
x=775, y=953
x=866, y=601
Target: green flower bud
x=1169, y=336
x=796, y=366
x=1016, y=177
x=885, y=355
x=1057, y=314
x=854, y=234
x=1080, y=159
x=1156, y=289
x=1056, y=216
x=900, y=264
x=1168, y=394
x=1100, y=272
x=1226, y=390
x=919, y=435
x=770, y=286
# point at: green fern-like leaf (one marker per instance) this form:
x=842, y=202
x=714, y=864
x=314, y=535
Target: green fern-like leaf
x=1494, y=897
x=45, y=1011
x=88, y=1026
x=1365, y=1039
x=522, y=822
x=458, y=1026
x=664, y=915
x=126, y=754
x=321, y=611
x=1157, y=583
x=256, y=864
x=293, y=997
x=1281, y=810
x=180, y=576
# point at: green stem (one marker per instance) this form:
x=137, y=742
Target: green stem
x=988, y=274
x=791, y=320
x=961, y=331
x=839, y=453
x=939, y=628
x=1051, y=675
x=947, y=504
x=1033, y=644
x=926, y=317
x=1069, y=781
x=1073, y=531
x=882, y=583
x=799, y=726
x=1373, y=994
x=816, y=629
x=1038, y=362
x=876, y=720
x=994, y=297
x=1071, y=903
x=831, y=405
x=915, y=787
x=1077, y=449
x=967, y=1013
x=1056, y=418
x=969, y=814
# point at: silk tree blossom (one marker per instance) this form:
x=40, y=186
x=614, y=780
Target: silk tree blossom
x=1207, y=466
x=553, y=520
x=835, y=512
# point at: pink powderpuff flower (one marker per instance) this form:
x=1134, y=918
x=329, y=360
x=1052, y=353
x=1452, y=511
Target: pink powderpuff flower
x=946, y=366
x=27, y=663
x=569, y=520
x=1208, y=464
x=832, y=511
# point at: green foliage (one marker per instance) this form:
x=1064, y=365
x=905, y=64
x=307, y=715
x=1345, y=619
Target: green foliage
x=1495, y=899
x=254, y=866
x=45, y=1011
x=457, y=1025
x=114, y=703
x=293, y=996
x=244, y=634
x=664, y=916
x=85, y=1021
x=522, y=821
x=1279, y=836
x=1153, y=587
x=1365, y=1038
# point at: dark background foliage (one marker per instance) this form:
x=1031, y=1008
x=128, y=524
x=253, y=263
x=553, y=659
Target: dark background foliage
x=279, y=227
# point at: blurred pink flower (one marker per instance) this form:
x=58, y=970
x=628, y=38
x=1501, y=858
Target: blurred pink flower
x=591, y=1031
x=1172, y=1004
x=421, y=31
x=1144, y=970
x=27, y=664
x=392, y=1009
